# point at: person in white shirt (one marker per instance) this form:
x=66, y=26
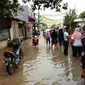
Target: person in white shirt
x=66, y=41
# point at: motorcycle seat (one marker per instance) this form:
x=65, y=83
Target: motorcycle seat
x=9, y=54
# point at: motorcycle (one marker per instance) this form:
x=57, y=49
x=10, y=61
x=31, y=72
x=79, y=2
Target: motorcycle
x=12, y=58
x=35, y=40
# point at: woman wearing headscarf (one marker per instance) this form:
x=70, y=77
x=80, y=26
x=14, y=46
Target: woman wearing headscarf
x=77, y=44
x=83, y=48
x=48, y=36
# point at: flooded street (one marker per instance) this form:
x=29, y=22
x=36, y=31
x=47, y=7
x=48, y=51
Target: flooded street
x=43, y=66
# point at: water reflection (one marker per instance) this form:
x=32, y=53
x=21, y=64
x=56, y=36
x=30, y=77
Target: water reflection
x=44, y=66
x=15, y=78
x=41, y=70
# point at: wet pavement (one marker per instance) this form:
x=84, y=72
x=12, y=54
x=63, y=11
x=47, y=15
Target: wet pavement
x=42, y=66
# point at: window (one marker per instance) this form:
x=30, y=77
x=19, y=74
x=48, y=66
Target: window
x=4, y=32
x=20, y=29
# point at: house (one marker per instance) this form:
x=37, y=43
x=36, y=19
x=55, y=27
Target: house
x=80, y=21
x=19, y=27
x=26, y=14
x=10, y=28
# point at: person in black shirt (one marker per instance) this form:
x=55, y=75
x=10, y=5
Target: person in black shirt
x=54, y=37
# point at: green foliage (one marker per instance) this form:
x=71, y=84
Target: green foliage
x=53, y=4
x=8, y=8
x=82, y=15
x=69, y=18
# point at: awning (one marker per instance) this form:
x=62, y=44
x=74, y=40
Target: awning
x=26, y=26
x=31, y=19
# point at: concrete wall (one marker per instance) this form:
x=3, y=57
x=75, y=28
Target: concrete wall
x=3, y=44
x=29, y=32
x=14, y=33
x=23, y=35
x=14, y=29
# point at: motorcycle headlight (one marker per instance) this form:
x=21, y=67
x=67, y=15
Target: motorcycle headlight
x=9, y=59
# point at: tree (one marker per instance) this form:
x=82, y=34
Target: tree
x=82, y=15
x=69, y=18
x=37, y=4
x=8, y=8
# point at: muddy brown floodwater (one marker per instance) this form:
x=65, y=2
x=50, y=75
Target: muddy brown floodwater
x=43, y=66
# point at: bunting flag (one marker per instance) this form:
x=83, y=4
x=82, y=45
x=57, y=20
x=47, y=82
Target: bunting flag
x=45, y=20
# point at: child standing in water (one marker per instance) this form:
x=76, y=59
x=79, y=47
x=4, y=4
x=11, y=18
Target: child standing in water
x=48, y=37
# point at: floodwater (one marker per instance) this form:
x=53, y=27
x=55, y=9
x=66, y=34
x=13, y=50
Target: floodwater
x=43, y=65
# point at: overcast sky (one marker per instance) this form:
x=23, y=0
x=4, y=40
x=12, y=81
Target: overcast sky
x=79, y=5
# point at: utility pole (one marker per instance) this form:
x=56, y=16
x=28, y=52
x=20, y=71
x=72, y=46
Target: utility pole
x=34, y=22
x=75, y=5
x=38, y=18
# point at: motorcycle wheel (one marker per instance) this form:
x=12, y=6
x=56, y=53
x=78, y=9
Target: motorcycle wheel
x=10, y=68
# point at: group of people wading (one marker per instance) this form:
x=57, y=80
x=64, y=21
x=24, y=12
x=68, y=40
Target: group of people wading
x=66, y=38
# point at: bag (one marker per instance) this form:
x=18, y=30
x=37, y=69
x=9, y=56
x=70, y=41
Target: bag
x=83, y=73
x=71, y=41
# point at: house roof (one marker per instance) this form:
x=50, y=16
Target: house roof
x=7, y=21
x=10, y=18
